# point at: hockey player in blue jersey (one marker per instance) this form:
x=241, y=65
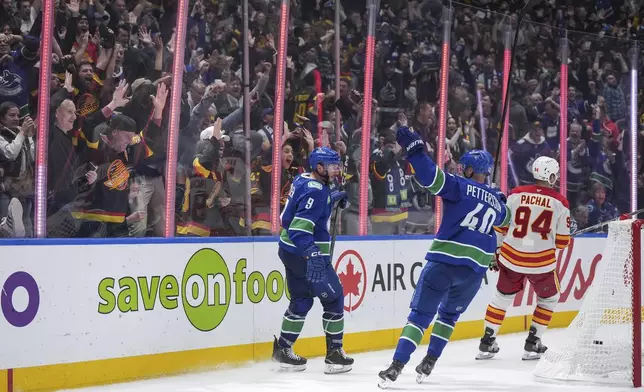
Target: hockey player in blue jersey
x=458, y=257
x=304, y=250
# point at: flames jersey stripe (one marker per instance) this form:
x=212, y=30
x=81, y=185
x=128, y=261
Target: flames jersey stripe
x=540, y=225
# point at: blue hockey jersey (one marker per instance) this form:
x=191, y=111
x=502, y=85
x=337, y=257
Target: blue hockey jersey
x=306, y=216
x=470, y=211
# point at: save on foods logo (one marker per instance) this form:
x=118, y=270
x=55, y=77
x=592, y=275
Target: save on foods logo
x=205, y=291
x=20, y=299
x=353, y=274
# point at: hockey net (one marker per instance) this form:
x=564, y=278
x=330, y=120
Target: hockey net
x=603, y=343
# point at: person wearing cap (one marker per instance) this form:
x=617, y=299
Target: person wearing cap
x=204, y=196
x=387, y=173
x=102, y=207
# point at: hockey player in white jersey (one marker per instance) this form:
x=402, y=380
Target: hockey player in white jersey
x=540, y=224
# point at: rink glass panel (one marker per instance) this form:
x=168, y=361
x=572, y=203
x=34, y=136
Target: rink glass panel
x=475, y=100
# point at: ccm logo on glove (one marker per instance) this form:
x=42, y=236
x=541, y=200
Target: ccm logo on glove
x=413, y=144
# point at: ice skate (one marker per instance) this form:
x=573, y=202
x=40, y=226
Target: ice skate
x=389, y=375
x=337, y=360
x=533, y=346
x=488, y=346
x=288, y=360
x=425, y=368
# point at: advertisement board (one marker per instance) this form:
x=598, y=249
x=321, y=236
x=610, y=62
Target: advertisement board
x=65, y=304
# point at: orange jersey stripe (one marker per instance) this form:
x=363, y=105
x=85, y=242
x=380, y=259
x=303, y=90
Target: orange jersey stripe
x=542, y=316
x=557, y=282
x=540, y=321
x=561, y=243
x=501, y=230
x=375, y=172
x=494, y=318
x=527, y=262
x=544, y=311
x=494, y=310
x=527, y=255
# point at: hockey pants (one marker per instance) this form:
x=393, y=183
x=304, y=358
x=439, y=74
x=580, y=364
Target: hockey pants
x=302, y=292
x=442, y=288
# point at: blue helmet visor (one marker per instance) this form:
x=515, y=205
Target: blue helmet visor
x=333, y=166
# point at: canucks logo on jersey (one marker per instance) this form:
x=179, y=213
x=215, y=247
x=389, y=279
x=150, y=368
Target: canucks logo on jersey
x=470, y=212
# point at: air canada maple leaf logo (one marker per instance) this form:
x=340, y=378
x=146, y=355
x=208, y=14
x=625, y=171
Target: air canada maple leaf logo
x=353, y=275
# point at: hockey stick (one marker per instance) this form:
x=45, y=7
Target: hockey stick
x=343, y=182
x=602, y=224
x=522, y=14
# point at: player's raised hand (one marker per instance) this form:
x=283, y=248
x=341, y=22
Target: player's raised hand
x=501, y=196
x=409, y=140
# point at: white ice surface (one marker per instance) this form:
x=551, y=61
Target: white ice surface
x=455, y=371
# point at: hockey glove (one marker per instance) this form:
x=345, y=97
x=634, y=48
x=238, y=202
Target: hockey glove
x=409, y=140
x=315, y=265
x=339, y=197
x=494, y=264
x=501, y=196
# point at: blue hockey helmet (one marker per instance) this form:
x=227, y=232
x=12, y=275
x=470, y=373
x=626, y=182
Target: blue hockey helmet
x=479, y=160
x=324, y=156
x=328, y=158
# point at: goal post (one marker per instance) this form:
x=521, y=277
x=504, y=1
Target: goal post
x=603, y=344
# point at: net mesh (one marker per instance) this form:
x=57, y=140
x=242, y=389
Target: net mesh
x=598, y=344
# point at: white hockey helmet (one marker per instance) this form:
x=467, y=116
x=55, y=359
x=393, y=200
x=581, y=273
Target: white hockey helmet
x=545, y=169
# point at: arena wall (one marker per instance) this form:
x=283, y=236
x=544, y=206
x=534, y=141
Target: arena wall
x=86, y=313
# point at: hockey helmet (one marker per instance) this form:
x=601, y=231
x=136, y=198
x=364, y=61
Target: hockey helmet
x=545, y=169
x=324, y=156
x=480, y=161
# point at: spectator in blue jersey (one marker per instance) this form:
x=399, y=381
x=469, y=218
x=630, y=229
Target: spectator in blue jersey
x=550, y=121
x=14, y=71
x=526, y=150
x=599, y=210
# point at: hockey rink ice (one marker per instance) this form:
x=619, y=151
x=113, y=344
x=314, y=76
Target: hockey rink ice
x=455, y=371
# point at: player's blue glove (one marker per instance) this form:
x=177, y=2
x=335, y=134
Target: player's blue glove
x=409, y=140
x=315, y=265
x=339, y=197
x=501, y=196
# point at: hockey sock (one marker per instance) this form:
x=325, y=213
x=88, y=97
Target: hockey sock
x=292, y=325
x=411, y=336
x=495, y=312
x=441, y=332
x=333, y=325
x=543, y=313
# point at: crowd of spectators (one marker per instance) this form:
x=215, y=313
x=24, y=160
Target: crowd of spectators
x=110, y=101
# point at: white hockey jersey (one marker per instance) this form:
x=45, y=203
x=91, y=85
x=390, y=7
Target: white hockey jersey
x=540, y=224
